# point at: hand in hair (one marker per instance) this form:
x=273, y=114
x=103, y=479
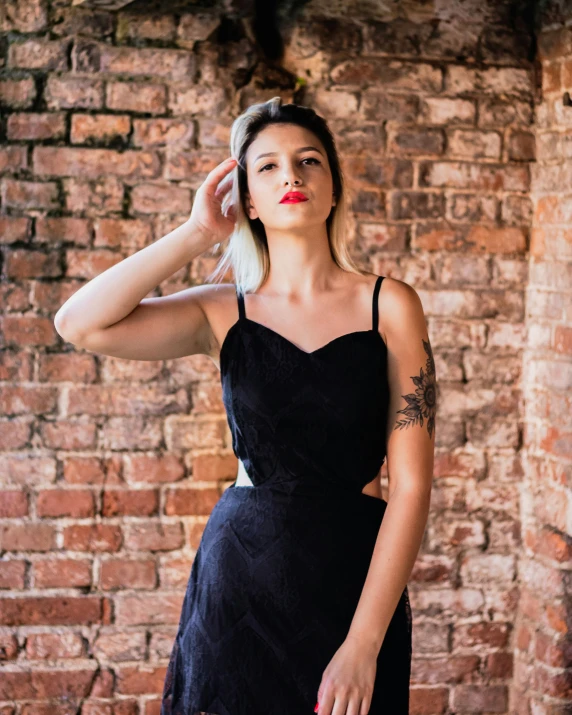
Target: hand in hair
x=207, y=214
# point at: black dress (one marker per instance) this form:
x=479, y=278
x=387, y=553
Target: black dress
x=280, y=567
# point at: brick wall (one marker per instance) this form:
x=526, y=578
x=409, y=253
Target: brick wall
x=542, y=683
x=109, y=468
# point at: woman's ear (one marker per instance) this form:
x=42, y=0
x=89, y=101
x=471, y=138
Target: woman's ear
x=250, y=208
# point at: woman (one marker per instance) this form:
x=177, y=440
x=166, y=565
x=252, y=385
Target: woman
x=298, y=591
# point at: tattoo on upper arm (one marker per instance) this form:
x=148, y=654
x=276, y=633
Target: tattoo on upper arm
x=423, y=402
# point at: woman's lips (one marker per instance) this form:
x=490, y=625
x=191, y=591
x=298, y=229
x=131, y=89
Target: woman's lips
x=292, y=201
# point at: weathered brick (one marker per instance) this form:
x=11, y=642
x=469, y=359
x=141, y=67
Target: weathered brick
x=12, y=577
x=93, y=163
x=182, y=501
x=13, y=158
x=76, y=503
x=98, y=128
x=132, y=502
x=69, y=92
x=156, y=198
x=136, y=97
x=123, y=573
x=19, y=194
x=62, y=573
x=29, y=330
x=92, y=537
x=36, y=126
x=39, y=54
x=18, y=93
x=13, y=503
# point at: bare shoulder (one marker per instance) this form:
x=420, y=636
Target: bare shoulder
x=219, y=304
x=400, y=307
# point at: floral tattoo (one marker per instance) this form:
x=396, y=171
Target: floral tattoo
x=423, y=402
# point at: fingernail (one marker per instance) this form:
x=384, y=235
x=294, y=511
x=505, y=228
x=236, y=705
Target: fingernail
x=316, y=707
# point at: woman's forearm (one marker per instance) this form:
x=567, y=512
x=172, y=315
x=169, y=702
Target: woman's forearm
x=394, y=555
x=115, y=293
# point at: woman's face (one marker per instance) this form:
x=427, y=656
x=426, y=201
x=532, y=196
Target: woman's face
x=288, y=158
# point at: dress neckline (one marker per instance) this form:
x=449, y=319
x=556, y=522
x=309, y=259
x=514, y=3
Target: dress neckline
x=243, y=318
x=308, y=353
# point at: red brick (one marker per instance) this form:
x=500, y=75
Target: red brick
x=144, y=468
x=484, y=698
x=522, y=146
x=140, y=680
x=18, y=93
x=392, y=74
x=24, y=263
x=174, y=573
x=498, y=80
x=14, y=366
x=67, y=367
x=39, y=54
x=183, y=501
x=26, y=469
x=492, y=635
x=94, y=197
x=62, y=573
x=99, y=128
x=163, y=132
x=13, y=574
x=92, y=470
x=30, y=194
x=132, y=502
x=27, y=537
x=52, y=646
x=36, y=126
x=20, y=399
x=416, y=141
x=15, y=434
x=15, y=228
x=479, y=177
x=191, y=100
x=154, y=537
x=136, y=97
x=13, y=503
x=126, y=233
x=156, y=198
x=20, y=331
x=13, y=158
x=76, y=503
x=214, y=467
x=146, y=27
x=474, y=144
x=69, y=435
x=68, y=229
x=171, y=64
x=8, y=649
x=69, y=92
x=90, y=263
x=26, y=16
x=93, y=163
x=119, y=574
x=92, y=537
x=42, y=684
x=429, y=701
x=155, y=608
x=129, y=400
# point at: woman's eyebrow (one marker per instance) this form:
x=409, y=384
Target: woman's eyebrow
x=301, y=149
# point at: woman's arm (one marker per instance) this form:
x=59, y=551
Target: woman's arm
x=410, y=454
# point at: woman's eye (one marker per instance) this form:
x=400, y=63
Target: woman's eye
x=310, y=158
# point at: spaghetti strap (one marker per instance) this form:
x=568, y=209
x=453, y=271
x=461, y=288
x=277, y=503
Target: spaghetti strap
x=240, y=299
x=375, y=306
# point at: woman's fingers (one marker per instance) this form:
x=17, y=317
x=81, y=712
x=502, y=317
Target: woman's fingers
x=215, y=176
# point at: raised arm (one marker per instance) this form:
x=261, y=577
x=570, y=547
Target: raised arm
x=111, y=315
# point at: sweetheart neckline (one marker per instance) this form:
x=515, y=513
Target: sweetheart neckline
x=310, y=353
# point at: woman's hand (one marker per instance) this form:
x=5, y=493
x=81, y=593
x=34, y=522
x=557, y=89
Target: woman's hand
x=207, y=213
x=347, y=683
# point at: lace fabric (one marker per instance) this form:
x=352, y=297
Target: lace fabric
x=281, y=564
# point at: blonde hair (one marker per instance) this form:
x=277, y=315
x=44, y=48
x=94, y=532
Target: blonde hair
x=246, y=252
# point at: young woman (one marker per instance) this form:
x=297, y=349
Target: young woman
x=298, y=590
